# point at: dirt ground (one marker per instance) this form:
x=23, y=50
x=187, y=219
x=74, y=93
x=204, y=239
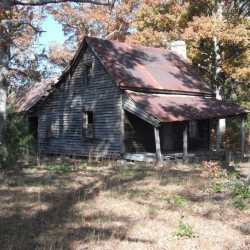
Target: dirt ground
x=108, y=205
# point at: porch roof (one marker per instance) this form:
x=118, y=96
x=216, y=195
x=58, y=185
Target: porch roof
x=27, y=98
x=172, y=108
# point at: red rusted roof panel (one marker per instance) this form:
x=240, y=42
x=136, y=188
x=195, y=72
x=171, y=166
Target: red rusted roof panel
x=171, y=108
x=135, y=66
x=28, y=97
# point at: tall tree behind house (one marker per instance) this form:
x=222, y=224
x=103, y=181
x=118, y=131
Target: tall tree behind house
x=217, y=35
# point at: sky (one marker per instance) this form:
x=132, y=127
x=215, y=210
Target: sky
x=53, y=32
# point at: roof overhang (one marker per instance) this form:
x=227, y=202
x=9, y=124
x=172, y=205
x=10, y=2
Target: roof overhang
x=177, y=108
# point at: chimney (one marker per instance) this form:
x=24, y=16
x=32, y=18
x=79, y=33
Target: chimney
x=179, y=47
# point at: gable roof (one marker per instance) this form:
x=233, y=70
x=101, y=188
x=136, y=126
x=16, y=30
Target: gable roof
x=31, y=96
x=144, y=68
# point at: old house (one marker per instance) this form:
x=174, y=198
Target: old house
x=115, y=99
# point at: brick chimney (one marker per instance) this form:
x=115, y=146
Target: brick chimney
x=179, y=47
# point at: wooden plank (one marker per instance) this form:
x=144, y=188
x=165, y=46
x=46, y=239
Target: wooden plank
x=185, y=140
x=130, y=105
x=243, y=119
x=157, y=146
x=218, y=136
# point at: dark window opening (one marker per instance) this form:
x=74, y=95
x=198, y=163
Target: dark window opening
x=33, y=126
x=48, y=127
x=88, y=124
x=193, y=129
x=88, y=74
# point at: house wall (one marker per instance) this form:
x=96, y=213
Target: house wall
x=66, y=106
x=138, y=134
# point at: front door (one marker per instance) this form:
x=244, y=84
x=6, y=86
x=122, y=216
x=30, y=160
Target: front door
x=168, y=137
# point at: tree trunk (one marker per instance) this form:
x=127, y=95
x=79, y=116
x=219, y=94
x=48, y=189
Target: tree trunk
x=3, y=98
x=217, y=16
x=4, y=62
x=248, y=176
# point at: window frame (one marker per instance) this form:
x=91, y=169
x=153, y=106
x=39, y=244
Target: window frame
x=88, y=72
x=87, y=127
x=49, y=133
x=193, y=129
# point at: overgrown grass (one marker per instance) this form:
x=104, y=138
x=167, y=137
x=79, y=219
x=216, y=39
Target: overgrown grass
x=79, y=206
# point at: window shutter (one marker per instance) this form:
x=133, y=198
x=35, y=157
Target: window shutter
x=84, y=124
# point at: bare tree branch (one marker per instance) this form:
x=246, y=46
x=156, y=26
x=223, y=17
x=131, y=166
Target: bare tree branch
x=19, y=24
x=44, y=2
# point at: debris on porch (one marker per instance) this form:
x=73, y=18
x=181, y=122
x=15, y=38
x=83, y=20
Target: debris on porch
x=173, y=156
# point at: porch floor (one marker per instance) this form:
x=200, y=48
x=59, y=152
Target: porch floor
x=171, y=156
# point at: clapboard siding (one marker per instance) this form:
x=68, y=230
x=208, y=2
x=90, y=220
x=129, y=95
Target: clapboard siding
x=66, y=105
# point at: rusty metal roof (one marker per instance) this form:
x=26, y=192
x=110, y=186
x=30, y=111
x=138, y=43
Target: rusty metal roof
x=28, y=97
x=134, y=66
x=172, y=108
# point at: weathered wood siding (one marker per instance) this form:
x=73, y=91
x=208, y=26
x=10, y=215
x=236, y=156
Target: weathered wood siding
x=66, y=106
x=139, y=135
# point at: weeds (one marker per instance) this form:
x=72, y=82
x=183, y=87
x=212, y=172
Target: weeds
x=242, y=190
x=184, y=230
x=239, y=204
x=64, y=168
x=218, y=187
x=176, y=201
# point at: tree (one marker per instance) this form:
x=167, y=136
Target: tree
x=90, y=20
x=217, y=34
x=12, y=25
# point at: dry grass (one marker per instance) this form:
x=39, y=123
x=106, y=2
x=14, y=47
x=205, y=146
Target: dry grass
x=120, y=207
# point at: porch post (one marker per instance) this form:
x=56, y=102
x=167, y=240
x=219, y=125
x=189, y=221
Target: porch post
x=185, y=140
x=157, y=145
x=243, y=119
x=218, y=135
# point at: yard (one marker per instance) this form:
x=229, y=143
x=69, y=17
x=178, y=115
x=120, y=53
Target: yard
x=108, y=205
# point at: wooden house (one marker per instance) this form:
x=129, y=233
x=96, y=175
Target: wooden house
x=115, y=99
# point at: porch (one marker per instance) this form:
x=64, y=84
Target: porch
x=172, y=127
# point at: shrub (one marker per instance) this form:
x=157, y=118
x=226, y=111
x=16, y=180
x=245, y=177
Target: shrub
x=16, y=137
x=230, y=139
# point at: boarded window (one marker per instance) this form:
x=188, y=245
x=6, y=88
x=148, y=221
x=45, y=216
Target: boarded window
x=88, y=124
x=88, y=74
x=193, y=129
x=49, y=127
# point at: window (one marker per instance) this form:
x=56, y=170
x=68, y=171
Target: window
x=88, y=74
x=88, y=124
x=193, y=129
x=48, y=127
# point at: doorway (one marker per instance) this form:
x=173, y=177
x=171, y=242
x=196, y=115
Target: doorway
x=168, y=137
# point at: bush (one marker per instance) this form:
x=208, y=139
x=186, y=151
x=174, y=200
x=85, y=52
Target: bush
x=16, y=138
x=230, y=139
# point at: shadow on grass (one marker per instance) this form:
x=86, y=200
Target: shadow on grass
x=32, y=219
